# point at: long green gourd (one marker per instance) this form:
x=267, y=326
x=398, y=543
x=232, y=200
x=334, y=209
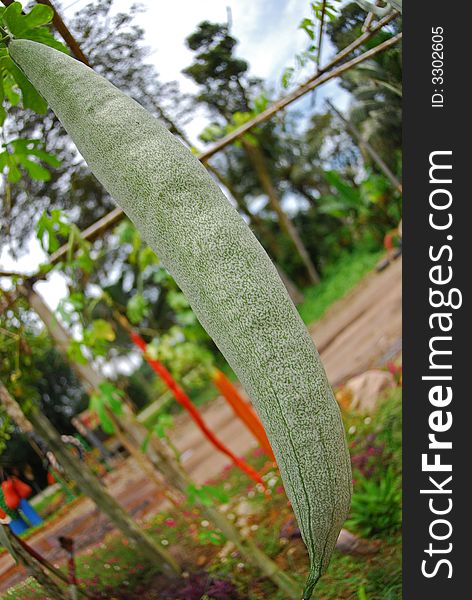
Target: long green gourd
x=226, y=275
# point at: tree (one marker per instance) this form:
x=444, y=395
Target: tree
x=375, y=85
x=114, y=46
x=228, y=90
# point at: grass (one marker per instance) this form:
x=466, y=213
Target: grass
x=113, y=569
x=338, y=279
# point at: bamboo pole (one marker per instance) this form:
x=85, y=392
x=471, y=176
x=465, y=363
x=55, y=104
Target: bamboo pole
x=324, y=75
x=371, y=151
x=87, y=482
x=172, y=472
x=32, y=565
x=320, y=36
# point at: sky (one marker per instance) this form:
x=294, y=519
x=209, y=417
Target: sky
x=269, y=38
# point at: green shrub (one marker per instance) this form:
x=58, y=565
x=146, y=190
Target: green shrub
x=376, y=505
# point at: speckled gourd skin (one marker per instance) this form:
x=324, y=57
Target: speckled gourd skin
x=226, y=275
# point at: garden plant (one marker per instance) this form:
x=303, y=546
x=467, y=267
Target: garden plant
x=186, y=238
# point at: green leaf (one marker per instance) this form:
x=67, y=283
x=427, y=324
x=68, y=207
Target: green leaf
x=46, y=157
x=211, y=536
x=163, y=423
x=18, y=154
x=30, y=97
x=126, y=232
x=10, y=94
x=146, y=257
x=102, y=330
x=12, y=18
x=43, y=36
x=39, y=15
x=212, y=132
x=46, y=267
x=145, y=444
x=14, y=173
x=137, y=308
x=75, y=353
x=287, y=76
x=106, y=397
x=96, y=405
x=3, y=160
x=84, y=262
x=3, y=112
x=349, y=194
x=308, y=26
x=34, y=170
x=206, y=494
x=361, y=594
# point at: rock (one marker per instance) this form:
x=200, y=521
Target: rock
x=365, y=389
x=348, y=543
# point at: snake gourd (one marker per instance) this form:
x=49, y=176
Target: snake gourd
x=230, y=282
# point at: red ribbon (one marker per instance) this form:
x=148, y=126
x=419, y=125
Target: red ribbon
x=185, y=401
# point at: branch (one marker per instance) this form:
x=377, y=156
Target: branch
x=66, y=35
x=321, y=77
x=320, y=36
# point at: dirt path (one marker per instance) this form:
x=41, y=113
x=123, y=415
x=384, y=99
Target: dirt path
x=360, y=331
x=364, y=328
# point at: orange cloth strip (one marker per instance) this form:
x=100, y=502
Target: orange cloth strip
x=185, y=401
x=243, y=410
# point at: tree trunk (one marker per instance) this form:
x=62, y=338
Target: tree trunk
x=258, y=161
x=87, y=481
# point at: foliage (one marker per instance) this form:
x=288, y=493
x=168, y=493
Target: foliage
x=376, y=504
x=30, y=26
x=19, y=153
x=107, y=398
x=339, y=278
x=377, y=466
x=223, y=80
x=114, y=46
x=206, y=494
x=310, y=25
x=35, y=373
x=182, y=357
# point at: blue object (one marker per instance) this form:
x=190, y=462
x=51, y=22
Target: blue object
x=29, y=512
x=18, y=526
